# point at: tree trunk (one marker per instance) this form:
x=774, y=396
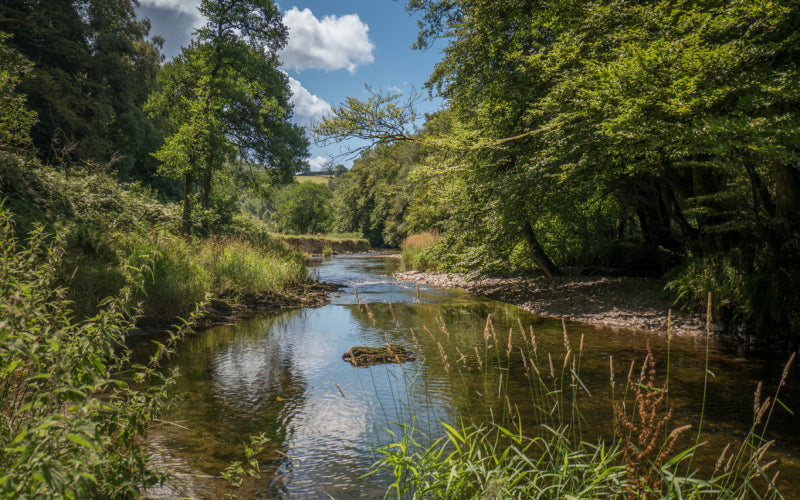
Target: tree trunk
x=205, y=193
x=537, y=252
x=186, y=220
x=787, y=193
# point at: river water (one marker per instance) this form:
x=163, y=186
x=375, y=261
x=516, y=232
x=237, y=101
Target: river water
x=281, y=374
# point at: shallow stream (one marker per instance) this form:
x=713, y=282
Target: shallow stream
x=281, y=373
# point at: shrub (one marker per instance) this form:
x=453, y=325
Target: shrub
x=416, y=251
x=71, y=425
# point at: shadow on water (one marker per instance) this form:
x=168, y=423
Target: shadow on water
x=281, y=374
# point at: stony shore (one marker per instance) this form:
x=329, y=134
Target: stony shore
x=613, y=301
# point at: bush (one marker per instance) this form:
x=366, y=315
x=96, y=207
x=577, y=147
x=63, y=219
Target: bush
x=416, y=251
x=304, y=208
x=71, y=426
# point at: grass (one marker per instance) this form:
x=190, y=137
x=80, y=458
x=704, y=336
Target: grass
x=317, y=243
x=108, y=227
x=647, y=456
x=318, y=178
x=414, y=251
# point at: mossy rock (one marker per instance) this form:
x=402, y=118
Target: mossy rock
x=368, y=356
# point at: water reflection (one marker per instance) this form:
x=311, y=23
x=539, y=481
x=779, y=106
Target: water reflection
x=282, y=374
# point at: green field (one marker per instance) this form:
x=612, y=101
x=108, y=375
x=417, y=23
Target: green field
x=316, y=177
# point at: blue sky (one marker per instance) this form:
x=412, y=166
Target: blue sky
x=335, y=47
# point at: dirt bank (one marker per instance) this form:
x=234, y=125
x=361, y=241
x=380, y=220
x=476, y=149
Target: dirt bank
x=615, y=301
x=228, y=310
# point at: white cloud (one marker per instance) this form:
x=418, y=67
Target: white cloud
x=185, y=6
x=308, y=108
x=317, y=163
x=331, y=43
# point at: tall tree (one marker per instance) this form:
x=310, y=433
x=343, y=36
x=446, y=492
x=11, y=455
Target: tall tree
x=16, y=119
x=93, y=69
x=224, y=96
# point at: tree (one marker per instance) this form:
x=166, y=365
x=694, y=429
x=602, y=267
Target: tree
x=303, y=208
x=93, y=68
x=372, y=198
x=225, y=98
x=16, y=120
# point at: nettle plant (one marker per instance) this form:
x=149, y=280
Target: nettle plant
x=73, y=406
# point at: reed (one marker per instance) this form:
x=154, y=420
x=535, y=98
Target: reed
x=507, y=458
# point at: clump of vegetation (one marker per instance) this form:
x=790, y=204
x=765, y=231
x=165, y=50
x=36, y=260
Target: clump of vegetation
x=72, y=405
x=646, y=457
x=303, y=208
x=415, y=251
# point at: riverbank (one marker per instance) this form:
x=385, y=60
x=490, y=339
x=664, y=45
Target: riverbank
x=229, y=310
x=611, y=301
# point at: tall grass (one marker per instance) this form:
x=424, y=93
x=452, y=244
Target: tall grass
x=240, y=268
x=508, y=457
x=414, y=251
x=180, y=273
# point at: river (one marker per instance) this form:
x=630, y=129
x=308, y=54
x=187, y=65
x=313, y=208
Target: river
x=281, y=373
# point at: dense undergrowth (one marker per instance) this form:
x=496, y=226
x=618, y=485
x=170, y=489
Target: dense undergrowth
x=107, y=226
x=73, y=406
x=82, y=259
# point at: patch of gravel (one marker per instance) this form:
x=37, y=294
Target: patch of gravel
x=615, y=301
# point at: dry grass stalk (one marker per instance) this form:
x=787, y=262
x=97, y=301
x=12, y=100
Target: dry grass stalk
x=442, y=325
x=524, y=361
x=642, y=461
x=487, y=330
x=552, y=371
x=669, y=325
x=429, y=333
x=508, y=348
x=757, y=399
x=369, y=313
x=611, y=369
x=414, y=338
x=419, y=296
x=478, y=357
x=566, y=338
x=721, y=458
x=420, y=240
x=444, y=356
x=394, y=318
x=533, y=341
x=786, y=368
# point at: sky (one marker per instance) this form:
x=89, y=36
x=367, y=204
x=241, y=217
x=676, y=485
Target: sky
x=335, y=47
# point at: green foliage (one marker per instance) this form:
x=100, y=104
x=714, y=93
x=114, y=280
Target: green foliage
x=381, y=119
x=73, y=415
x=416, y=252
x=16, y=120
x=225, y=98
x=236, y=472
x=303, y=208
x=93, y=69
x=372, y=198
